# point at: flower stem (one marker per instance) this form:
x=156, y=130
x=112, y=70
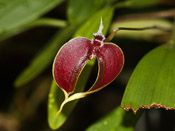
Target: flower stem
x=110, y=37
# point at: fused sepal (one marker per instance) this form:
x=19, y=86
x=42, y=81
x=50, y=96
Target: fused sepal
x=110, y=63
x=70, y=61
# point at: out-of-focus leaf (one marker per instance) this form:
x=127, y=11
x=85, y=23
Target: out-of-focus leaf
x=80, y=10
x=45, y=56
x=86, y=30
x=152, y=82
x=151, y=34
x=38, y=22
x=53, y=105
x=117, y=120
x=16, y=13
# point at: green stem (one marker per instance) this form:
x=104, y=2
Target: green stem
x=36, y=23
x=48, y=22
x=110, y=37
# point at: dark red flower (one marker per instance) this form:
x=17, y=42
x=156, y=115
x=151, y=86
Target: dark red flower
x=73, y=56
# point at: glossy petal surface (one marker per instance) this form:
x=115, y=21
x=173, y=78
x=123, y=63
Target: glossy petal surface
x=69, y=62
x=110, y=61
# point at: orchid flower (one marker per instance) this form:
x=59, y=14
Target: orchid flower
x=74, y=55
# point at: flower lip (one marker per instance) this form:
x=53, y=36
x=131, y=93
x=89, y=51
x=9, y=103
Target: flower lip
x=100, y=37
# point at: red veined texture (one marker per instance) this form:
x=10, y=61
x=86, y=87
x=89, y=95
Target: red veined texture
x=110, y=62
x=70, y=61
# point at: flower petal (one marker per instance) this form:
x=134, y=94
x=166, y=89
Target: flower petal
x=70, y=61
x=110, y=61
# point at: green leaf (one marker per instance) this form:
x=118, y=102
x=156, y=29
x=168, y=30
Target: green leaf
x=117, y=120
x=152, y=82
x=80, y=10
x=86, y=30
x=16, y=13
x=53, y=105
x=45, y=56
x=151, y=34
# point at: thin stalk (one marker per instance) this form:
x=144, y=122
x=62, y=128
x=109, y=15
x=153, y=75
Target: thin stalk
x=48, y=22
x=110, y=37
x=56, y=23
x=160, y=14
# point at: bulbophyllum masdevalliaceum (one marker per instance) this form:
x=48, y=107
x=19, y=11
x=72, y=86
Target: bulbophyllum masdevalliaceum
x=73, y=56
